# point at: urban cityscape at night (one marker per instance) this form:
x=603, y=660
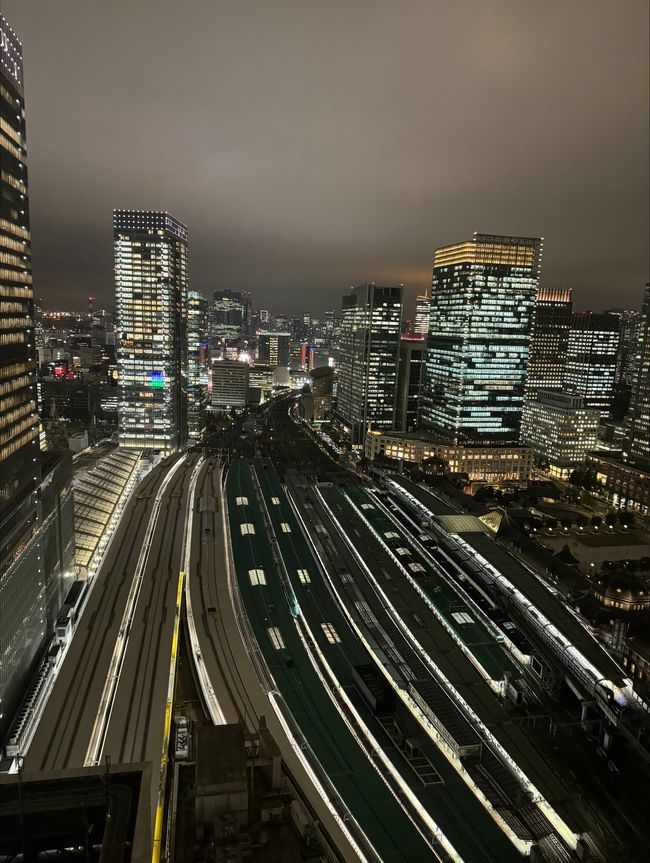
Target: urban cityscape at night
x=324, y=432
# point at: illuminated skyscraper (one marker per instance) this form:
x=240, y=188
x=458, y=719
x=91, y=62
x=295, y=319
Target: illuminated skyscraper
x=482, y=303
x=422, y=312
x=370, y=340
x=549, y=340
x=227, y=316
x=639, y=413
x=22, y=585
x=412, y=356
x=273, y=348
x=151, y=297
x=591, y=359
x=197, y=363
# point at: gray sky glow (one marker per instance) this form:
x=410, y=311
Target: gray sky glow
x=313, y=145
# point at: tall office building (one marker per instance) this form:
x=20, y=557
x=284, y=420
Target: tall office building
x=227, y=317
x=422, y=313
x=197, y=364
x=151, y=297
x=639, y=413
x=412, y=357
x=369, y=356
x=549, y=340
x=229, y=384
x=22, y=585
x=591, y=359
x=247, y=322
x=482, y=302
x=273, y=348
x=628, y=320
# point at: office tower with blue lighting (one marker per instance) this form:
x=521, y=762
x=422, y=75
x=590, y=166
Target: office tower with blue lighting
x=369, y=359
x=482, y=300
x=151, y=274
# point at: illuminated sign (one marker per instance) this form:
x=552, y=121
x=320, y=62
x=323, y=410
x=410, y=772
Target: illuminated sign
x=157, y=380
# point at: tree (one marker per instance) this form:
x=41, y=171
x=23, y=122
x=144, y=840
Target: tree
x=550, y=522
x=566, y=521
x=596, y=520
x=610, y=519
x=582, y=520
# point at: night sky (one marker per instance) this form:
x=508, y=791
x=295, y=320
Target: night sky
x=313, y=145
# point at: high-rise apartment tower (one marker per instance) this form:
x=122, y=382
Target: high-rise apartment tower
x=151, y=298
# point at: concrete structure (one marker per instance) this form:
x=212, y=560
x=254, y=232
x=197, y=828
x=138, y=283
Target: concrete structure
x=229, y=384
x=369, y=355
x=591, y=358
x=559, y=429
x=491, y=463
x=412, y=356
x=482, y=303
x=151, y=295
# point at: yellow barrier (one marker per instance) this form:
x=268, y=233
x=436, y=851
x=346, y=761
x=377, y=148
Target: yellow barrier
x=160, y=808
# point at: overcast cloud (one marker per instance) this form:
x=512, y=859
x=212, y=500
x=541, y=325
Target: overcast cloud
x=313, y=145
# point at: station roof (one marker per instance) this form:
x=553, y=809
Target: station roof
x=96, y=494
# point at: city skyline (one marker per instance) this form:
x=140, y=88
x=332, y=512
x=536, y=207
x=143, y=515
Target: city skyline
x=368, y=585
x=270, y=151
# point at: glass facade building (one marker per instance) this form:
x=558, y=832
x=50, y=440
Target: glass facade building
x=591, y=359
x=369, y=358
x=639, y=413
x=422, y=314
x=273, y=349
x=23, y=600
x=412, y=356
x=197, y=364
x=151, y=295
x=549, y=340
x=482, y=300
x=228, y=315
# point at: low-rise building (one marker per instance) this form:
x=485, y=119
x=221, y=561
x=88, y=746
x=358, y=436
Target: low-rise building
x=628, y=485
x=559, y=429
x=491, y=463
